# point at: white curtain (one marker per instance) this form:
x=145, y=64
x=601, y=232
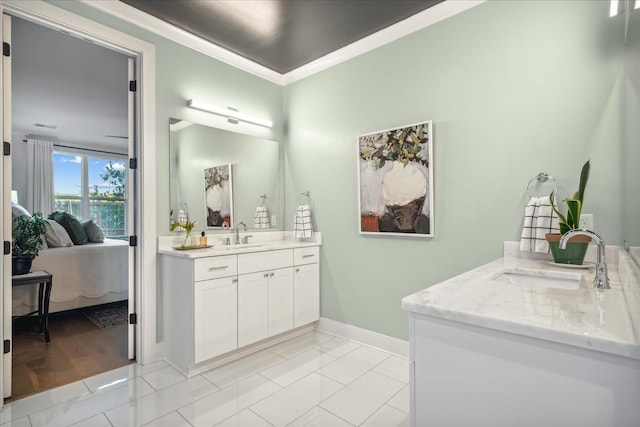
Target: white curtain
x=40, y=194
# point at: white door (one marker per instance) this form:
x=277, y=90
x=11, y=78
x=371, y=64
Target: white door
x=215, y=317
x=6, y=209
x=132, y=197
x=306, y=294
x=280, y=301
x=252, y=307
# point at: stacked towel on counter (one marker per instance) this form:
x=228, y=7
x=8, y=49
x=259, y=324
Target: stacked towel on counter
x=261, y=218
x=539, y=219
x=302, y=228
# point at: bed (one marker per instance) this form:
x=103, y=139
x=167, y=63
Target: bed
x=83, y=275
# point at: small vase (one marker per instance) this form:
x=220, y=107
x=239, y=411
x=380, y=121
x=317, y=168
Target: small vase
x=187, y=240
x=573, y=253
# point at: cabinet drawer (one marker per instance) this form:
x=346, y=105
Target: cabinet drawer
x=215, y=267
x=261, y=261
x=306, y=255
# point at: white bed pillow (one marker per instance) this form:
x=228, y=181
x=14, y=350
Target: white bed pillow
x=57, y=236
x=18, y=210
x=94, y=232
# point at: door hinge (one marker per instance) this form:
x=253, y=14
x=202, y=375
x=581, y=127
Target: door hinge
x=6, y=148
x=133, y=319
x=133, y=86
x=7, y=247
x=6, y=49
x=7, y=346
x=133, y=240
x=133, y=163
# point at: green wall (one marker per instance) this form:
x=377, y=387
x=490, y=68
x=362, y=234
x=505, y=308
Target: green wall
x=513, y=89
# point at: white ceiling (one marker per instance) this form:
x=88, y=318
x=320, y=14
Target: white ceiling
x=71, y=83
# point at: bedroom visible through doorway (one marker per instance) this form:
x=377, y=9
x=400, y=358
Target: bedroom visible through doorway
x=71, y=100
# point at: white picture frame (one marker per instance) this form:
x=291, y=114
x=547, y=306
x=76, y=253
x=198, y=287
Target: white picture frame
x=395, y=181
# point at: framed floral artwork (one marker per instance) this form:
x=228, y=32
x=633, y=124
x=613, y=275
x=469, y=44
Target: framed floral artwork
x=218, y=196
x=395, y=181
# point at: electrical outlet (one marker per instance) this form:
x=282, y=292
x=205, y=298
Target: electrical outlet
x=273, y=221
x=586, y=221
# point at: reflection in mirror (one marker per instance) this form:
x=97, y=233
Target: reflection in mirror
x=631, y=134
x=218, y=196
x=224, y=177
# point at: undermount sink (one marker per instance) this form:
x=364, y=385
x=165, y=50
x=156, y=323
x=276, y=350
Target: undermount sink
x=538, y=278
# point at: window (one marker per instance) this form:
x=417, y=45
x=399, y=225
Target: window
x=92, y=187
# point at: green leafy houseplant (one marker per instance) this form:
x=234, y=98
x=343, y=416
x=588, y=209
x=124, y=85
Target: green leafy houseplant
x=27, y=240
x=577, y=246
x=574, y=204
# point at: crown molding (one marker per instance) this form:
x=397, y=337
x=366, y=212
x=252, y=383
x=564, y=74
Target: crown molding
x=157, y=26
x=419, y=21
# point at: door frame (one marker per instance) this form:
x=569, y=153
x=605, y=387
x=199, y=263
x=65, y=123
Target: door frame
x=147, y=350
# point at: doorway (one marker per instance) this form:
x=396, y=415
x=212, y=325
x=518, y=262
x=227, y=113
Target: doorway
x=63, y=89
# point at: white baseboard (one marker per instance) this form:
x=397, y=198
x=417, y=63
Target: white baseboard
x=364, y=336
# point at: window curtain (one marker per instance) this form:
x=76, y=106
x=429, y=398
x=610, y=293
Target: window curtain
x=40, y=193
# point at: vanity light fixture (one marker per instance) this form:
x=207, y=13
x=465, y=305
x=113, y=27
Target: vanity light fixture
x=233, y=115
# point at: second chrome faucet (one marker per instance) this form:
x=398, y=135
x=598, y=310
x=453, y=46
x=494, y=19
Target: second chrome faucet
x=601, y=281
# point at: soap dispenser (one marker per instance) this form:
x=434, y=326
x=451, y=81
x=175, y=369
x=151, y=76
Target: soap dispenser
x=203, y=239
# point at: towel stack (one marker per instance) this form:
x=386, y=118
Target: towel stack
x=261, y=218
x=539, y=219
x=302, y=228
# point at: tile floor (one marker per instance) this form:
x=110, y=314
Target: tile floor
x=313, y=380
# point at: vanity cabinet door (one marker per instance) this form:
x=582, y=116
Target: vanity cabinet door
x=253, y=307
x=306, y=294
x=215, y=317
x=280, y=300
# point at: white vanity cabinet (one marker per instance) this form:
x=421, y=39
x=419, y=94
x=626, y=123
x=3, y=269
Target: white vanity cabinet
x=215, y=317
x=215, y=305
x=265, y=295
x=200, y=308
x=306, y=285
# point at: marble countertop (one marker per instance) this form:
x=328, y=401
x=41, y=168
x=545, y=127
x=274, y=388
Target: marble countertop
x=582, y=317
x=260, y=242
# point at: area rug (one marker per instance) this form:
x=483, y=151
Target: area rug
x=107, y=315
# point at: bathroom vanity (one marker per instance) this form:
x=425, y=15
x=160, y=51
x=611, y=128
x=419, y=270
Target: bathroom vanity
x=224, y=302
x=520, y=341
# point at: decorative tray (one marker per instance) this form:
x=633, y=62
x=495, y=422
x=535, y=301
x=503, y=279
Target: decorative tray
x=188, y=248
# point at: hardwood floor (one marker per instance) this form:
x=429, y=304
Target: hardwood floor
x=78, y=349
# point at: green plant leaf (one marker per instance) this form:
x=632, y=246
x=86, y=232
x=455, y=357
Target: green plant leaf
x=584, y=177
x=561, y=217
x=573, y=213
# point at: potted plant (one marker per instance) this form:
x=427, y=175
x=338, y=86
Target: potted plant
x=577, y=246
x=27, y=240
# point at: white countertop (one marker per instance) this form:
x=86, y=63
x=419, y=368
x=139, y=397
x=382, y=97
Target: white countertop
x=260, y=242
x=582, y=317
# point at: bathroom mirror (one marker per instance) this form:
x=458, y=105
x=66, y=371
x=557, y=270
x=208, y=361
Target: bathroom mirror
x=251, y=190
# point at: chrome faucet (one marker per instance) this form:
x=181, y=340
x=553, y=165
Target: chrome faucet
x=601, y=281
x=238, y=231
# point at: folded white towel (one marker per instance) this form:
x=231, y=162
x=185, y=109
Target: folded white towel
x=539, y=219
x=261, y=218
x=302, y=228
